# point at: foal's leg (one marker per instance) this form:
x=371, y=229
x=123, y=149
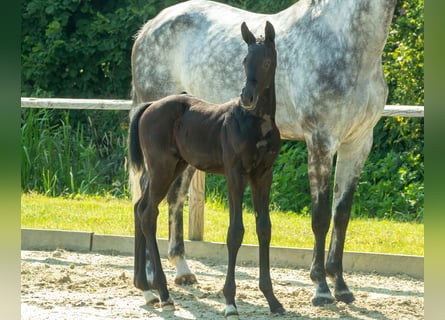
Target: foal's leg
x=161, y=177
x=140, y=280
x=319, y=169
x=176, y=251
x=350, y=161
x=143, y=183
x=140, y=274
x=260, y=195
x=236, y=185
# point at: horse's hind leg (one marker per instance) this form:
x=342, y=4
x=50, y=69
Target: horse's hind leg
x=260, y=195
x=140, y=275
x=176, y=252
x=162, y=175
x=350, y=161
x=140, y=280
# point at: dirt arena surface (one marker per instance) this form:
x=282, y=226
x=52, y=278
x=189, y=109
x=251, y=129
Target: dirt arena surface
x=71, y=285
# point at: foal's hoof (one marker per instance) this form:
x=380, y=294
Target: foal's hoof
x=168, y=305
x=346, y=297
x=150, y=297
x=231, y=317
x=186, y=279
x=279, y=311
x=321, y=300
x=231, y=313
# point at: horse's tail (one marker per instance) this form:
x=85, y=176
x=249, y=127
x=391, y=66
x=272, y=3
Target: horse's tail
x=135, y=156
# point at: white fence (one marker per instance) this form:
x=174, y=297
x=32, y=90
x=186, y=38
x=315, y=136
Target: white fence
x=196, y=192
x=109, y=104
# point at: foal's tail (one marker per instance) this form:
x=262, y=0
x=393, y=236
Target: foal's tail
x=136, y=158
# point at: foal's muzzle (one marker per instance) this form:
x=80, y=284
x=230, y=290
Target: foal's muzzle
x=249, y=97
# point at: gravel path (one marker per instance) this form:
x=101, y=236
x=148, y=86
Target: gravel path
x=71, y=285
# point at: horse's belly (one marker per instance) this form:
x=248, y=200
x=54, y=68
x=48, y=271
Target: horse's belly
x=200, y=148
x=204, y=160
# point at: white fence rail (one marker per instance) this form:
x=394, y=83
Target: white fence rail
x=110, y=104
x=196, y=192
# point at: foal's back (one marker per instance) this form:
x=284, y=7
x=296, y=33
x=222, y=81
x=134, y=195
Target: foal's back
x=209, y=137
x=187, y=129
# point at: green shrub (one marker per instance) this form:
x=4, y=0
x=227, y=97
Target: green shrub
x=59, y=158
x=393, y=188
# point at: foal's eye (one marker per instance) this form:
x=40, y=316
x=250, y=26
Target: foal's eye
x=266, y=64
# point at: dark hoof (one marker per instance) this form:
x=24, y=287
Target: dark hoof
x=346, y=297
x=186, y=279
x=279, y=311
x=168, y=305
x=321, y=301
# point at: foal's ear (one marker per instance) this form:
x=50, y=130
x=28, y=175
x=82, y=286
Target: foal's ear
x=269, y=32
x=248, y=37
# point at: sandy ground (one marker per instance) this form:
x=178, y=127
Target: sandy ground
x=70, y=285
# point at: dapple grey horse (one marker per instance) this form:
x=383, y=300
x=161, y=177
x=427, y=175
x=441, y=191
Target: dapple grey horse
x=330, y=88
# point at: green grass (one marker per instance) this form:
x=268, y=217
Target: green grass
x=106, y=215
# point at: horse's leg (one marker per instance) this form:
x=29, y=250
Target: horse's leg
x=149, y=221
x=163, y=173
x=260, y=188
x=142, y=270
x=140, y=275
x=176, y=251
x=235, y=186
x=350, y=161
x=320, y=157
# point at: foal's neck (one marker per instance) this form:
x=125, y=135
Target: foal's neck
x=266, y=104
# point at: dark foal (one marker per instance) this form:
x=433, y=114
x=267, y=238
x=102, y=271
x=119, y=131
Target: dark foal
x=238, y=139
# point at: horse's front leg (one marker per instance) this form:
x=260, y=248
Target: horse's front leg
x=260, y=187
x=176, y=250
x=350, y=161
x=235, y=186
x=319, y=169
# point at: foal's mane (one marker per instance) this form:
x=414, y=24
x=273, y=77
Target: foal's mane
x=260, y=39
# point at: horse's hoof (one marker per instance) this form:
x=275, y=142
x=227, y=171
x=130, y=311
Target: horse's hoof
x=150, y=297
x=168, y=305
x=279, y=311
x=231, y=313
x=346, y=297
x=321, y=300
x=186, y=279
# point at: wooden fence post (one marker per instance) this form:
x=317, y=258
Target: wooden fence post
x=196, y=206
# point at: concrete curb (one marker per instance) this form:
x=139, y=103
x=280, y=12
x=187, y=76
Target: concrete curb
x=386, y=264
x=35, y=239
